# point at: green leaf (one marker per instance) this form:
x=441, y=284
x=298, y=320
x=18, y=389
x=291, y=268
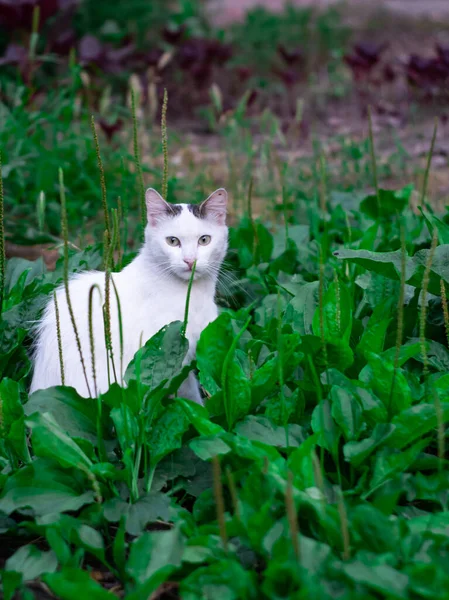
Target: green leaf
x=380, y=578
x=414, y=423
x=347, y=413
x=238, y=392
x=213, y=346
x=31, y=562
x=392, y=388
x=75, y=415
x=153, y=552
x=373, y=337
x=357, y=452
x=300, y=462
x=166, y=434
x=433, y=222
x=261, y=429
x=324, y=426
x=225, y=579
x=50, y=441
x=12, y=421
x=337, y=314
x=305, y=304
x=388, y=264
x=387, y=204
x=44, y=488
x=161, y=358
x=146, y=510
x=72, y=584
x=389, y=462
x=208, y=447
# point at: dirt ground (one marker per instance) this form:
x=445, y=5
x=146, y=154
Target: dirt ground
x=225, y=11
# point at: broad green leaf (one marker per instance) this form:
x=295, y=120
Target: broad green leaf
x=388, y=462
x=415, y=422
x=166, y=433
x=208, y=447
x=347, y=412
x=337, y=314
x=434, y=222
x=262, y=430
x=387, y=203
x=388, y=264
x=75, y=415
x=72, y=584
x=137, y=516
x=373, y=337
x=380, y=578
x=12, y=422
x=161, y=358
x=377, y=532
x=357, y=452
x=126, y=426
x=213, y=346
x=305, y=303
x=324, y=426
x=50, y=441
x=199, y=417
x=153, y=552
x=238, y=391
x=300, y=462
x=31, y=562
x=225, y=579
x=45, y=489
x=390, y=386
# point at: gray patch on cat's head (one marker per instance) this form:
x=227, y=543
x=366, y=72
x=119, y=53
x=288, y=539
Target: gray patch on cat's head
x=196, y=210
x=174, y=210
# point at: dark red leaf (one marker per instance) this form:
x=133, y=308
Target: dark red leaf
x=243, y=73
x=90, y=49
x=288, y=76
x=291, y=56
x=443, y=53
x=110, y=128
x=173, y=33
x=153, y=57
x=14, y=55
x=192, y=51
x=370, y=52
x=64, y=42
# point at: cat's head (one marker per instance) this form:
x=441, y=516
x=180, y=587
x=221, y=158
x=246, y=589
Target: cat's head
x=179, y=234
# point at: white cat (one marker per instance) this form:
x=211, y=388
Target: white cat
x=152, y=291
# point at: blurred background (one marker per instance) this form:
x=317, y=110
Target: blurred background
x=249, y=83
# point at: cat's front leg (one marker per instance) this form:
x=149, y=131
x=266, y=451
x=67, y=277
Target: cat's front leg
x=190, y=388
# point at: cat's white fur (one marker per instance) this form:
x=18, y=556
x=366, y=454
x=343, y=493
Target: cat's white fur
x=152, y=290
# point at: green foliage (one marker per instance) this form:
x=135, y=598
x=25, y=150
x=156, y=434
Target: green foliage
x=319, y=420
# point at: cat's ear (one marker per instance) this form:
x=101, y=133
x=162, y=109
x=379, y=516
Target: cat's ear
x=215, y=206
x=157, y=208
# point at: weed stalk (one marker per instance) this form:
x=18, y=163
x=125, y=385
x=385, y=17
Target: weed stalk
x=143, y=207
x=445, y=309
x=189, y=291
x=429, y=163
x=164, y=145
x=219, y=501
x=423, y=312
x=58, y=336
x=65, y=234
x=102, y=178
x=373, y=158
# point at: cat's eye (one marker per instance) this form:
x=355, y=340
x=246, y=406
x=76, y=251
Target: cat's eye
x=172, y=241
x=204, y=240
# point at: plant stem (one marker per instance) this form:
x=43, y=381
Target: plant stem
x=164, y=145
x=429, y=162
x=189, y=291
x=143, y=207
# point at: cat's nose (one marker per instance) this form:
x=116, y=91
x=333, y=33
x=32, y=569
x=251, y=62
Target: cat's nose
x=189, y=262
